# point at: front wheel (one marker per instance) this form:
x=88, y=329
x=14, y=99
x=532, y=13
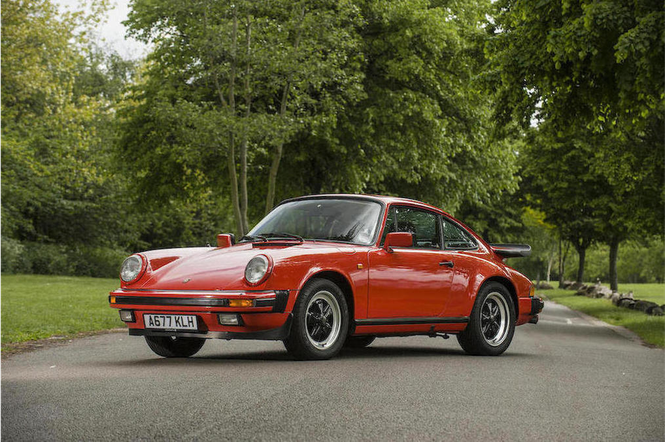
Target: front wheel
x=320, y=321
x=492, y=322
x=174, y=347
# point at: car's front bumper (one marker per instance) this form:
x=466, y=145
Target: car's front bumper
x=273, y=334
x=266, y=316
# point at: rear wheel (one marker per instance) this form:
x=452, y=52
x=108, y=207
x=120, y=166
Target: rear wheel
x=358, y=341
x=320, y=321
x=173, y=346
x=492, y=322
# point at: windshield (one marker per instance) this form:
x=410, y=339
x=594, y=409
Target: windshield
x=341, y=220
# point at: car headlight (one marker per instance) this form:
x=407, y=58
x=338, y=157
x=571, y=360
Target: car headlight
x=132, y=268
x=257, y=270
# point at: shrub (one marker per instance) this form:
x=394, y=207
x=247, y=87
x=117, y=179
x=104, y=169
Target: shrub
x=58, y=259
x=10, y=253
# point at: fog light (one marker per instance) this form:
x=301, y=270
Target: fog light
x=241, y=303
x=229, y=319
x=127, y=316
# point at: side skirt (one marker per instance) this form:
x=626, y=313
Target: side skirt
x=412, y=321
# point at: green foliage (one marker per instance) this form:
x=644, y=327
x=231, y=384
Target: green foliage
x=423, y=128
x=383, y=99
x=60, y=259
x=231, y=82
x=11, y=251
x=64, y=208
x=638, y=262
x=601, y=61
x=590, y=75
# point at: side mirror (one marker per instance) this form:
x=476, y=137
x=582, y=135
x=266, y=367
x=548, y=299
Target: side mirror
x=225, y=240
x=397, y=239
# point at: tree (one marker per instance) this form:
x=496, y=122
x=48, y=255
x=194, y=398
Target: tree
x=423, y=127
x=57, y=186
x=239, y=79
x=598, y=83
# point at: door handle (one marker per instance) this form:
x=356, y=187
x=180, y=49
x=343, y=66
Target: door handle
x=447, y=264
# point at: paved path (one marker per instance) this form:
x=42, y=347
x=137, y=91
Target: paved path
x=567, y=378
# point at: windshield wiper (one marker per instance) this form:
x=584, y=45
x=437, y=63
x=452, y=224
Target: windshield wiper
x=283, y=235
x=254, y=238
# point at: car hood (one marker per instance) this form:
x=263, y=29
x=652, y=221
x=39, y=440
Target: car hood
x=224, y=268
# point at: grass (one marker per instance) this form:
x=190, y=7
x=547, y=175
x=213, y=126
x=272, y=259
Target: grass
x=650, y=328
x=40, y=306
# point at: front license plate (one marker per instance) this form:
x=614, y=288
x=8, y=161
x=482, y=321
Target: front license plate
x=170, y=322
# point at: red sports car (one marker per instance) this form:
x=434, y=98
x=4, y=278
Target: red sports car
x=327, y=271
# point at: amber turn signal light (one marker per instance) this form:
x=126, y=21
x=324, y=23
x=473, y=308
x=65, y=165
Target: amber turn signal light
x=241, y=303
x=112, y=299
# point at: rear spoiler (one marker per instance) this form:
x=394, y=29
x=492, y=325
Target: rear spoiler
x=512, y=250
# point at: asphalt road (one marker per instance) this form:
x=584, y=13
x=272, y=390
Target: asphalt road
x=567, y=378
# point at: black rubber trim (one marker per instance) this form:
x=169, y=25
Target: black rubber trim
x=512, y=250
x=281, y=299
x=155, y=300
x=274, y=334
x=537, y=305
x=411, y=321
x=263, y=302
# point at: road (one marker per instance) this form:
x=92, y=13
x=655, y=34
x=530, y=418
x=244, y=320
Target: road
x=567, y=378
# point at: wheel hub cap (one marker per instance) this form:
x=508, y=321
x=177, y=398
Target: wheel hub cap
x=323, y=320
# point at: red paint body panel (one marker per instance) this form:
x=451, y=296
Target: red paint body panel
x=408, y=283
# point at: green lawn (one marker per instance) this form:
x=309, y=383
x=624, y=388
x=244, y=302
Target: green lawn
x=40, y=306
x=650, y=328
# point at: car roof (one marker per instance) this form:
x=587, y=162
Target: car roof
x=378, y=198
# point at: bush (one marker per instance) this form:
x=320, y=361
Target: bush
x=10, y=253
x=48, y=259
x=57, y=259
x=101, y=262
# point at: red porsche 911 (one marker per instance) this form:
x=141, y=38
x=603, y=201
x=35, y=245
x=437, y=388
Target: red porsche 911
x=327, y=271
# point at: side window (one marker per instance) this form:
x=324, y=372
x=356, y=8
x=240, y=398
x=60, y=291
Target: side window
x=423, y=225
x=456, y=238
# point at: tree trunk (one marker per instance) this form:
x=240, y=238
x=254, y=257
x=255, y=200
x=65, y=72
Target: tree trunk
x=243, y=144
x=581, y=251
x=560, y=264
x=551, y=258
x=614, y=254
x=231, y=164
x=231, y=159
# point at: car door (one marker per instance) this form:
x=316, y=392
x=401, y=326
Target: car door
x=415, y=281
x=467, y=258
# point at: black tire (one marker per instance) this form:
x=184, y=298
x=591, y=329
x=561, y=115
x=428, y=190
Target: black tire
x=174, y=347
x=358, y=341
x=492, y=323
x=320, y=322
